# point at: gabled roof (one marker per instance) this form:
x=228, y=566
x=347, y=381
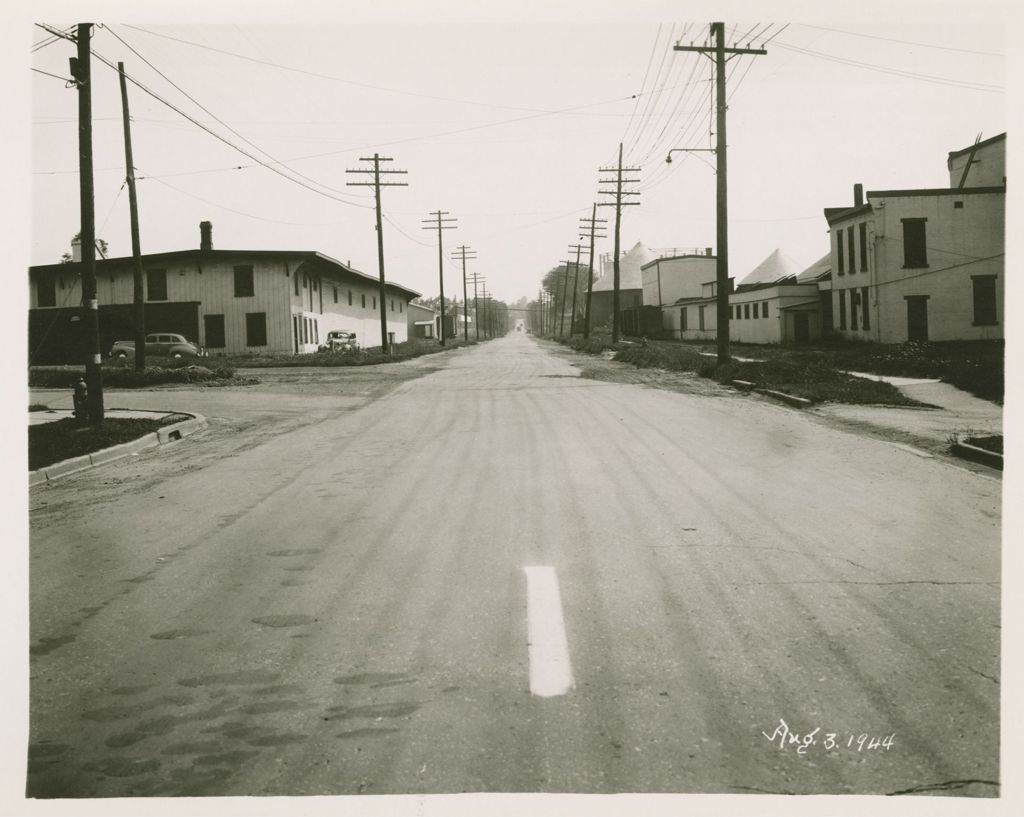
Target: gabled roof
x=776, y=267
x=332, y=264
x=834, y=214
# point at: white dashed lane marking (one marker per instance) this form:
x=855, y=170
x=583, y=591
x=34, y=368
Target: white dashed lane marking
x=550, y=670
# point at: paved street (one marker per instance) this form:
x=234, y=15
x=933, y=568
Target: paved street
x=483, y=572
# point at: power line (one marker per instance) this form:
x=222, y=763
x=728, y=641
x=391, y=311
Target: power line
x=215, y=117
x=55, y=76
x=226, y=141
x=332, y=78
x=965, y=84
x=904, y=42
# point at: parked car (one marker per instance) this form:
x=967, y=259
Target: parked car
x=339, y=341
x=159, y=344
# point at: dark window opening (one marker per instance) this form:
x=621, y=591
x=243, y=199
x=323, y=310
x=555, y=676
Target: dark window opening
x=746, y=311
x=682, y=319
x=915, y=252
x=851, y=267
x=244, y=287
x=350, y=297
x=839, y=250
x=842, y=309
x=335, y=295
x=958, y=205
x=853, y=309
x=255, y=328
x=46, y=291
x=156, y=285
x=213, y=326
x=364, y=299
x=295, y=278
x=864, y=311
x=863, y=246
x=984, y=300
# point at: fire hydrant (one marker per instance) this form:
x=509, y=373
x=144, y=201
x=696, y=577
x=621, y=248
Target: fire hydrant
x=81, y=402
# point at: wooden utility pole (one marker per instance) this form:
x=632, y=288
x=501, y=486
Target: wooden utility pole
x=591, y=225
x=463, y=252
x=377, y=184
x=139, y=299
x=565, y=293
x=476, y=279
x=722, y=190
x=575, y=287
x=82, y=74
x=439, y=223
x=618, y=204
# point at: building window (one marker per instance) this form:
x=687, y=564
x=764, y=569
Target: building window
x=863, y=246
x=295, y=279
x=255, y=328
x=243, y=282
x=915, y=252
x=746, y=311
x=682, y=319
x=842, y=309
x=864, y=311
x=401, y=306
x=156, y=285
x=853, y=309
x=363, y=295
x=335, y=295
x=984, y=300
x=839, y=250
x=851, y=267
x=213, y=326
x=764, y=309
x=46, y=291
x=374, y=301
x=700, y=318
x=350, y=297
x=305, y=282
x=958, y=205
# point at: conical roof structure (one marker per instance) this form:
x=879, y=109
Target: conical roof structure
x=773, y=269
x=629, y=270
x=816, y=270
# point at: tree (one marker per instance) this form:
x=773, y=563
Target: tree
x=101, y=247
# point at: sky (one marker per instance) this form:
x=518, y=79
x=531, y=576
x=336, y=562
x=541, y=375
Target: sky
x=503, y=122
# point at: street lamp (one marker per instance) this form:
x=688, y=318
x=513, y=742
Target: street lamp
x=668, y=159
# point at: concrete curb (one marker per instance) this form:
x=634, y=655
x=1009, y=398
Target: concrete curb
x=972, y=452
x=798, y=402
x=162, y=436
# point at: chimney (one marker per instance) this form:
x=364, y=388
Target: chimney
x=205, y=236
x=707, y=251
x=76, y=250
x=858, y=195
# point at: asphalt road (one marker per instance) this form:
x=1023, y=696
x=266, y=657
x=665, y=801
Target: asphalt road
x=481, y=572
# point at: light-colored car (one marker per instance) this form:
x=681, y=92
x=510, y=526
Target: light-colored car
x=339, y=341
x=159, y=344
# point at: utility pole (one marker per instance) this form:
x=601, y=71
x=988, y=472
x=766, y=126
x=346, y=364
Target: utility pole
x=82, y=74
x=618, y=204
x=722, y=189
x=440, y=223
x=463, y=252
x=377, y=184
x=565, y=293
x=476, y=279
x=139, y=301
x=575, y=287
x=591, y=224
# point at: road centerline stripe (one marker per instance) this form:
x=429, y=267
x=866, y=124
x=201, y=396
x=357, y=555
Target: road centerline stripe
x=550, y=670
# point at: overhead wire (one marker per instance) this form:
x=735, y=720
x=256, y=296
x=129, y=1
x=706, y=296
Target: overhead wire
x=904, y=42
x=931, y=78
x=218, y=119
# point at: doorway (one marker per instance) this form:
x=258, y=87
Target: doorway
x=917, y=318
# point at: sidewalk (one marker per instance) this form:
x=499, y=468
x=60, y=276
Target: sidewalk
x=955, y=412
